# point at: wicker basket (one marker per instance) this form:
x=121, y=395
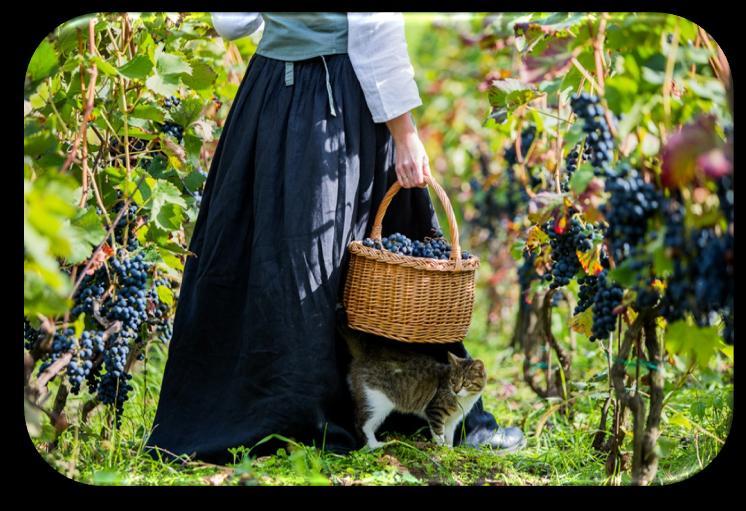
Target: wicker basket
x=410, y=299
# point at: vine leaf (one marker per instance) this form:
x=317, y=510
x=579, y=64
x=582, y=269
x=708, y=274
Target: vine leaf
x=536, y=238
x=104, y=66
x=583, y=323
x=170, y=64
x=165, y=295
x=43, y=62
x=683, y=152
x=591, y=260
x=507, y=95
x=581, y=178
x=697, y=343
x=168, y=206
x=543, y=205
x=187, y=112
x=138, y=68
x=163, y=85
x=201, y=77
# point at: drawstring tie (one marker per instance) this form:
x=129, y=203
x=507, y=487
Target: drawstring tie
x=289, y=80
x=329, y=89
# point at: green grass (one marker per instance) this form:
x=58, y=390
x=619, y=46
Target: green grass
x=695, y=422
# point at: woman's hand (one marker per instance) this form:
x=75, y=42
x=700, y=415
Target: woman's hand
x=412, y=164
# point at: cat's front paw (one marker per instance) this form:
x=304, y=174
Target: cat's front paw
x=439, y=439
x=374, y=444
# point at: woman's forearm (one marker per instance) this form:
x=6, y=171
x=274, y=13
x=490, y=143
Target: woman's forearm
x=401, y=127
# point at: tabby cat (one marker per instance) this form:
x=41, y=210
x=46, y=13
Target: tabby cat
x=386, y=378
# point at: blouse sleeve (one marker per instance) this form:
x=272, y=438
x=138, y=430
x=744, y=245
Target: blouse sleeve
x=232, y=25
x=377, y=48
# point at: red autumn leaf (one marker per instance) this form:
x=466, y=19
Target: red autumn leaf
x=714, y=164
x=560, y=225
x=683, y=150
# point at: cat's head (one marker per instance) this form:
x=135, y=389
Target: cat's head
x=468, y=376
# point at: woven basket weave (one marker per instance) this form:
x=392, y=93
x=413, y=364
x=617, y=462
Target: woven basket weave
x=410, y=299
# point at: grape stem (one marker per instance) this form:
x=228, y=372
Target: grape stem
x=93, y=73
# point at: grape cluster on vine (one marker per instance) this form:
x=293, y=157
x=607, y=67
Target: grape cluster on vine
x=62, y=343
x=516, y=190
x=608, y=297
x=123, y=227
x=586, y=292
x=599, y=142
x=114, y=386
x=173, y=129
x=631, y=204
x=30, y=334
x=129, y=305
x=80, y=367
x=572, y=161
x=171, y=101
x=565, y=263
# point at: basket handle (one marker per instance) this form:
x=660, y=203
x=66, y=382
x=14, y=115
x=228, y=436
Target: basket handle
x=375, y=232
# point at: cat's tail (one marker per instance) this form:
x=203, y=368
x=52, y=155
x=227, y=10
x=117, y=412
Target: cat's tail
x=352, y=337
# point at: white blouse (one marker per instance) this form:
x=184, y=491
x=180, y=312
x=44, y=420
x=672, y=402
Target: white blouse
x=377, y=49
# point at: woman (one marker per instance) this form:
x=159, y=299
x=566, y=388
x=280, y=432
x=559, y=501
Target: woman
x=318, y=131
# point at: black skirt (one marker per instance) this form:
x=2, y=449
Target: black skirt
x=254, y=349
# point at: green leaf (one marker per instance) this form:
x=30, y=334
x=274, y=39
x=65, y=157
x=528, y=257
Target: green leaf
x=163, y=84
x=43, y=62
x=697, y=343
x=511, y=93
x=201, y=77
x=170, y=64
x=574, y=135
x=149, y=112
x=138, y=68
x=662, y=263
x=165, y=295
x=620, y=93
x=679, y=419
x=168, y=216
x=43, y=142
x=171, y=260
x=623, y=275
x=580, y=178
x=107, y=478
x=88, y=225
x=727, y=350
x=517, y=249
x=194, y=181
x=187, y=112
x=168, y=206
x=79, y=325
x=104, y=66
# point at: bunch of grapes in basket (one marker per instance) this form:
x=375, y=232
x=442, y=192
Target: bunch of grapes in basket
x=435, y=247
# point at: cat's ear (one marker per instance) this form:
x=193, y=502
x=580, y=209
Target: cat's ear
x=478, y=364
x=454, y=360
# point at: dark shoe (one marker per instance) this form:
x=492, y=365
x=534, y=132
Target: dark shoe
x=504, y=440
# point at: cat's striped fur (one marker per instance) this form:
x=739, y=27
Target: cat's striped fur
x=386, y=378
